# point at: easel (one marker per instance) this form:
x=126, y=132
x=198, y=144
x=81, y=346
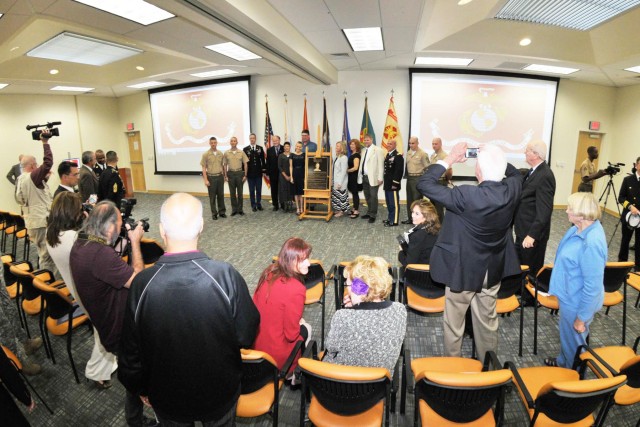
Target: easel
x=318, y=170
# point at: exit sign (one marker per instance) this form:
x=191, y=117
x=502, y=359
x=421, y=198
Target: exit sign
x=594, y=125
x=130, y=126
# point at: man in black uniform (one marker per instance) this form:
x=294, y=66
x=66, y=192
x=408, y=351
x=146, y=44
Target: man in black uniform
x=111, y=185
x=630, y=199
x=256, y=167
x=393, y=170
x=272, y=169
x=100, y=165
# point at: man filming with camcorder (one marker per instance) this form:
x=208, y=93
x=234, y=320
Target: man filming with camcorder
x=588, y=171
x=35, y=198
x=629, y=198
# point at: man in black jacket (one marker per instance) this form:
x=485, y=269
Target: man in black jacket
x=255, y=169
x=272, y=169
x=532, y=221
x=629, y=198
x=187, y=318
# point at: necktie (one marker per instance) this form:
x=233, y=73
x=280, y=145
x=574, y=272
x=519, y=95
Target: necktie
x=529, y=174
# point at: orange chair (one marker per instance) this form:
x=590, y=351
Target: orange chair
x=615, y=276
x=151, y=251
x=507, y=301
x=633, y=280
x=20, y=232
x=541, y=284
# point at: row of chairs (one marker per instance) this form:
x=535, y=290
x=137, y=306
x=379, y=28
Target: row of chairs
x=12, y=226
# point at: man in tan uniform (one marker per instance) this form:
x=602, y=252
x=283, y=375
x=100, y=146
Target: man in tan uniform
x=235, y=162
x=588, y=171
x=440, y=154
x=213, y=176
x=417, y=161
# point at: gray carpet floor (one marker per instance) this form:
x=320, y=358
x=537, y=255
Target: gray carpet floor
x=249, y=242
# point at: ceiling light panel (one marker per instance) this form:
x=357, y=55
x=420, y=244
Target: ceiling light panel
x=233, y=51
x=134, y=10
x=146, y=85
x=454, y=62
x=364, y=39
x=550, y=69
x=215, y=73
x=72, y=88
x=573, y=14
x=80, y=49
x=3, y=85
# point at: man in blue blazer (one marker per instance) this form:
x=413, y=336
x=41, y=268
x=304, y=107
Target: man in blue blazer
x=475, y=250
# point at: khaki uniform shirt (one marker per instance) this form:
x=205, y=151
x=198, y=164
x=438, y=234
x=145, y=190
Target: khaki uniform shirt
x=212, y=161
x=587, y=168
x=439, y=156
x=234, y=159
x=417, y=162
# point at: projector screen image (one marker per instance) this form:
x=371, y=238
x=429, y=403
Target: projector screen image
x=507, y=111
x=185, y=118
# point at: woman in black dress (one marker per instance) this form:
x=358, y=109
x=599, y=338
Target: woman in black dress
x=297, y=172
x=352, y=184
x=422, y=237
x=284, y=184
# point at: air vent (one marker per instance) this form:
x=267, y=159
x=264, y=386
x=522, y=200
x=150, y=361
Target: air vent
x=340, y=55
x=512, y=65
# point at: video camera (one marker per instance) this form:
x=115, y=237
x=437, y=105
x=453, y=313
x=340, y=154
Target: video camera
x=50, y=125
x=613, y=168
x=126, y=206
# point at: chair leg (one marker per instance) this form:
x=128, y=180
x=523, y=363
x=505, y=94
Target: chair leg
x=535, y=326
x=69, y=335
x=521, y=327
x=35, y=392
x=48, y=344
x=404, y=383
x=41, y=323
x=322, y=331
x=606, y=313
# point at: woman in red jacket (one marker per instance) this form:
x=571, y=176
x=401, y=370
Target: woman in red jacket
x=279, y=298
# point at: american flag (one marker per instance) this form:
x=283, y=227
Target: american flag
x=268, y=134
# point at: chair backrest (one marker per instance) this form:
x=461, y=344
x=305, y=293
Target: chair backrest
x=151, y=251
x=543, y=278
x=25, y=280
x=417, y=277
x=512, y=284
x=615, y=273
x=631, y=368
x=345, y=390
x=258, y=370
x=18, y=220
x=463, y=397
x=315, y=274
x=59, y=304
x=572, y=401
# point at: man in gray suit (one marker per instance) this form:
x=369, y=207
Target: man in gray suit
x=15, y=171
x=88, y=184
x=475, y=250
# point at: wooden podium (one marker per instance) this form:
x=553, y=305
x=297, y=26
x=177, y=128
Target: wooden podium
x=125, y=175
x=318, y=170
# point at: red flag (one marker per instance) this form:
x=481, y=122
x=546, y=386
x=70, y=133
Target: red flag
x=391, y=128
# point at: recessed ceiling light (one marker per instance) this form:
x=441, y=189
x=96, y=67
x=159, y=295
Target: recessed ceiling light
x=234, y=51
x=82, y=50
x=635, y=69
x=364, y=39
x=54, y=71
x=215, y=73
x=525, y=42
x=14, y=48
x=134, y=10
x=459, y=62
x=72, y=88
x=550, y=69
x=140, y=68
x=146, y=84
x=463, y=2
x=3, y=85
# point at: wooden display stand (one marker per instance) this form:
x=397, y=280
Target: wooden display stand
x=125, y=175
x=318, y=170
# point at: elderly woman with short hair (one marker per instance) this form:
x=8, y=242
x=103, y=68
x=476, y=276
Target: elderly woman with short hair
x=370, y=330
x=578, y=275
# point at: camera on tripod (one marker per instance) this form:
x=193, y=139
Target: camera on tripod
x=613, y=168
x=126, y=206
x=50, y=125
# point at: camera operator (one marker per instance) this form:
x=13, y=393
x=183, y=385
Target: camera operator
x=35, y=198
x=588, y=171
x=629, y=198
x=102, y=280
x=111, y=186
x=64, y=221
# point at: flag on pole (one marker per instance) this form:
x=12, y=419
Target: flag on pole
x=346, y=136
x=286, y=120
x=366, y=127
x=305, y=120
x=326, y=142
x=391, y=128
x=268, y=134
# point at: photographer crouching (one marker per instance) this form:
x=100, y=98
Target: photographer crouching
x=102, y=280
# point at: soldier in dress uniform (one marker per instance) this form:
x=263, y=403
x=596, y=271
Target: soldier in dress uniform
x=393, y=170
x=111, y=186
x=417, y=161
x=256, y=168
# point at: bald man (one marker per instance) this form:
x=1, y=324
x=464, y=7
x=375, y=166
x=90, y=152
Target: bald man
x=187, y=318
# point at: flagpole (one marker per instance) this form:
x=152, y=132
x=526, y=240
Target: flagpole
x=286, y=114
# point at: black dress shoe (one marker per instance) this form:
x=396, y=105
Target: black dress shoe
x=407, y=221
x=365, y=216
x=385, y=221
x=275, y=209
x=390, y=224
x=260, y=208
x=254, y=209
x=234, y=213
x=223, y=215
x=241, y=213
x=372, y=220
x=215, y=217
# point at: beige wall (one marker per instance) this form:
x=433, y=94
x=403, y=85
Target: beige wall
x=93, y=122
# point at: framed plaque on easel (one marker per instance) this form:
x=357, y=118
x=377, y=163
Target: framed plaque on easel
x=318, y=172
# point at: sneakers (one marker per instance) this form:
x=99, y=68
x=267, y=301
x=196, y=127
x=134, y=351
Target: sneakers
x=32, y=345
x=31, y=369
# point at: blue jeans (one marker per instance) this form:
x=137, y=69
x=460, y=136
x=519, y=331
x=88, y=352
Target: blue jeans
x=255, y=190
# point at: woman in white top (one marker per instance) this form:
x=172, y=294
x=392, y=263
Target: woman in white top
x=339, y=191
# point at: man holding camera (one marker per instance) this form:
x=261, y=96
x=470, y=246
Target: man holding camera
x=68, y=174
x=102, y=280
x=588, y=171
x=35, y=198
x=111, y=186
x=475, y=250
x=629, y=197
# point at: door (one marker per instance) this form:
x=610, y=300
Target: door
x=137, y=166
x=585, y=140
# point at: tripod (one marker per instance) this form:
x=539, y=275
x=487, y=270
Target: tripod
x=605, y=193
